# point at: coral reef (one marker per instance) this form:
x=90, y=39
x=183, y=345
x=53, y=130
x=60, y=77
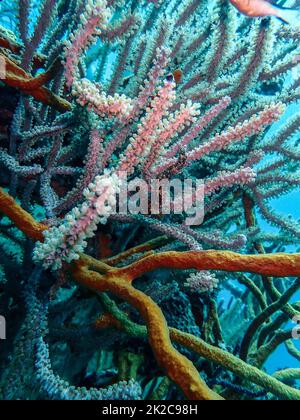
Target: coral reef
x=102, y=303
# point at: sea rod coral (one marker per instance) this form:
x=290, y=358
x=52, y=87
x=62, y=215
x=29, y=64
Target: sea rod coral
x=99, y=96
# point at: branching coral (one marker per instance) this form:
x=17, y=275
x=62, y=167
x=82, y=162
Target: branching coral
x=101, y=95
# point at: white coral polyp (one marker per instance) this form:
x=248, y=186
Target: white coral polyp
x=67, y=241
x=202, y=282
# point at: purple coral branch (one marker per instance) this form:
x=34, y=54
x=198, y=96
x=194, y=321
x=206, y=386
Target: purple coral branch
x=92, y=167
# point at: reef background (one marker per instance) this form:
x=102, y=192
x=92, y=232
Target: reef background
x=180, y=89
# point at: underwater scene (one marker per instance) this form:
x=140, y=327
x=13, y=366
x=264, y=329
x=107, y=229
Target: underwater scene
x=149, y=200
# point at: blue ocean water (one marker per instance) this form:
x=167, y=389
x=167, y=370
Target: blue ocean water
x=288, y=204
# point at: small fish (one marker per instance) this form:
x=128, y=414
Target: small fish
x=177, y=74
x=264, y=8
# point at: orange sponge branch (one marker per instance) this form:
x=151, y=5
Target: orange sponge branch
x=16, y=77
x=178, y=367
x=277, y=265
x=21, y=218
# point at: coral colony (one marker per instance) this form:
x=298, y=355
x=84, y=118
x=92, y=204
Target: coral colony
x=103, y=298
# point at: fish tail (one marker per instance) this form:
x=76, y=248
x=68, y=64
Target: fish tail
x=289, y=16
